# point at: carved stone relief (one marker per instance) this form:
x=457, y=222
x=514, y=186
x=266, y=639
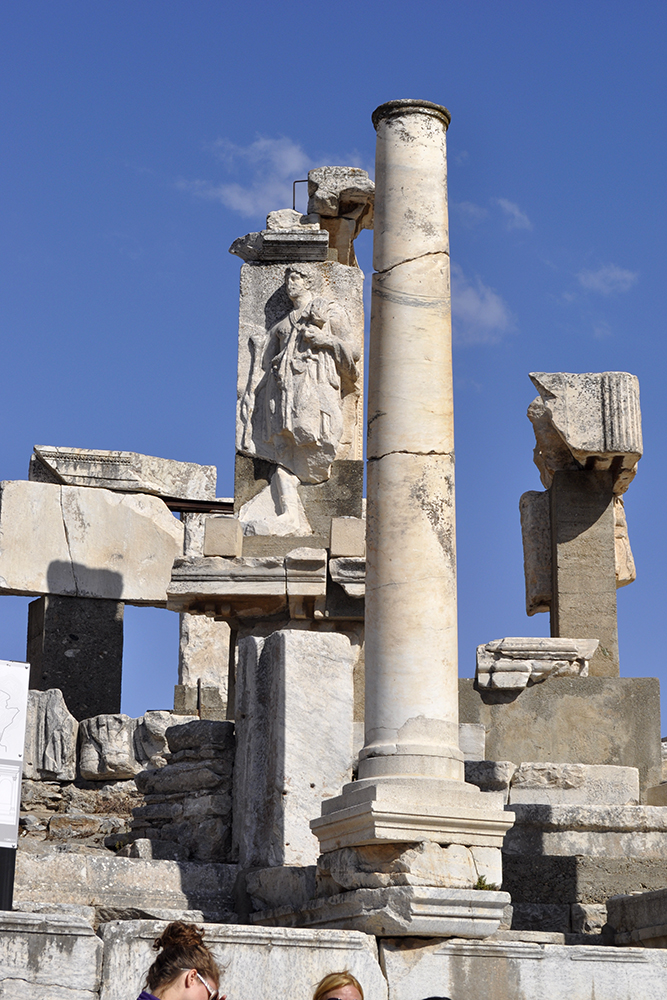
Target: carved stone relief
x=300, y=358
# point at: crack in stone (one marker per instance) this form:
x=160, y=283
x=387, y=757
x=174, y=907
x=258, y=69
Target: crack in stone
x=69, y=547
x=423, y=454
x=409, y=260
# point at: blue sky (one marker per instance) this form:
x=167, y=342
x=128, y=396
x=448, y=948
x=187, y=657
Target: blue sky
x=141, y=138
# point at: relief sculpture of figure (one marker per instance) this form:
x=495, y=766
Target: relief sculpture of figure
x=309, y=365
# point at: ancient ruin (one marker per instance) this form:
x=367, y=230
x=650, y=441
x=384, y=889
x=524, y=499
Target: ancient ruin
x=326, y=792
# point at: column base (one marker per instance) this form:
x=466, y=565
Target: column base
x=396, y=911
x=404, y=810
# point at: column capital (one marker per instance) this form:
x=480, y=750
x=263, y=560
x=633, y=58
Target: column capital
x=393, y=109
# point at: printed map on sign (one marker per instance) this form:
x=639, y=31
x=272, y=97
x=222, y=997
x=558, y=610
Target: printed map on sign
x=13, y=707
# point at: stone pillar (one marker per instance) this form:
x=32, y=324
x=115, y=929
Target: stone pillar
x=76, y=644
x=583, y=564
x=411, y=638
x=411, y=786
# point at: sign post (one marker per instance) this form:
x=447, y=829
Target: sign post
x=14, y=678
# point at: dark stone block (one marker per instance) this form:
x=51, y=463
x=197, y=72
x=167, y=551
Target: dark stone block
x=552, y=879
x=572, y=720
x=76, y=644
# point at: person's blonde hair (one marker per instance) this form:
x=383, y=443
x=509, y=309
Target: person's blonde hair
x=334, y=981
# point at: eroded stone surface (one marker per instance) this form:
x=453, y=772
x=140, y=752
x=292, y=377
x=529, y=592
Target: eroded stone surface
x=50, y=738
x=516, y=662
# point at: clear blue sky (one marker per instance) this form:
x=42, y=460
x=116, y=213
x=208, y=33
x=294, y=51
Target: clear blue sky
x=141, y=138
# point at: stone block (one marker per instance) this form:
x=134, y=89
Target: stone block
x=252, y=585
x=203, y=655
x=639, y=920
x=554, y=917
x=582, y=784
x=77, y=542
x=292, y=961
x=294, y=712
x=472, y=741
x=595, y=416
x=349, y=572
x=657, y=795
x=571, y=720
x=150, y=736
x=223, y=536
x=76, y=644
x=490, y=775
x=580, y=879
x=299, y=244
x=58, y=956
x=348, y=537
x=596, y=831
x=588, y=918
x=514, y=663
x=218, y=737
x=412, y=911
x=507, y=970
x=106, y=880
x=126, y=471
x=289, y=218
x=106, y=747
x=186, y=698
x=380, y=865
x=50, y=738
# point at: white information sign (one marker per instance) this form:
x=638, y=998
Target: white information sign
x=14, y=678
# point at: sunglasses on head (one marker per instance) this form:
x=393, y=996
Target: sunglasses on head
x=212, y=994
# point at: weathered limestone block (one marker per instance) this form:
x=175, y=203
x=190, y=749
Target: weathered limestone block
x=126, y=471
x=223, y=536
x=209, y=584
x=507, y=970
x=289, y=218
x=535, y=513
x=203, y=655
x=472, y=741
x=656, y=795
x=78, y=542
x=306, y=576
x=576, y=784
x=590, y=420
x=350, y=573
x=514, y=663
x=294, y=712
x=150, y=739
x=380, y=865
x=105, y=880
x=588, y=918
x=300, y=421
x=106, y=747
x=490, y=775
x=343, y=197
x=50, y=738
x=613, y=831
x=270, y=888
x=58, y=956
x=348, y=537
x=401, y=910
x=639, y=920
x=275, y=510
x=291, y=960
x=301, y=243
x=587, y=720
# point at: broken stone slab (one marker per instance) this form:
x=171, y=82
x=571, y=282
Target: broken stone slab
x=590, y=420
x=506, y=969
x=302, y=243
x=294, y=731
x=513, y=663
x=344, y=199
x=289, y=218
x=290, y=960
x=534, y=507
x=490, y=775
x=425, y=864
x=201, y=734
x=55, y=955
x=614, y=831
x=78, y=542
x=350, y=573
x=50, y=738
x=150, y=736
x=398, y=911
x=583, y=784
x=203, y=656
x=126, y=471
x=639, y=920
x=275, y=510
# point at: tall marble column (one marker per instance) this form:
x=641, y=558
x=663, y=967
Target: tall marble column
x=411, y=781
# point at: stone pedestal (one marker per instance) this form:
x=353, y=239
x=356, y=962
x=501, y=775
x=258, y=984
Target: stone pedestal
x=76, y=644
x=584, y=565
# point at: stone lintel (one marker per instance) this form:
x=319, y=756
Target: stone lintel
x=513, y=663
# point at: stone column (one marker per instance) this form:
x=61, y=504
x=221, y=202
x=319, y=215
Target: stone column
x=410, y=786
x=411, y=639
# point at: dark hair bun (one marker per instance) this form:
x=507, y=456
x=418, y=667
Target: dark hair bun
x=180, y=935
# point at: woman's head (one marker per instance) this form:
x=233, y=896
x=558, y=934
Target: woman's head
x=339, y=985
x=182, y=953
